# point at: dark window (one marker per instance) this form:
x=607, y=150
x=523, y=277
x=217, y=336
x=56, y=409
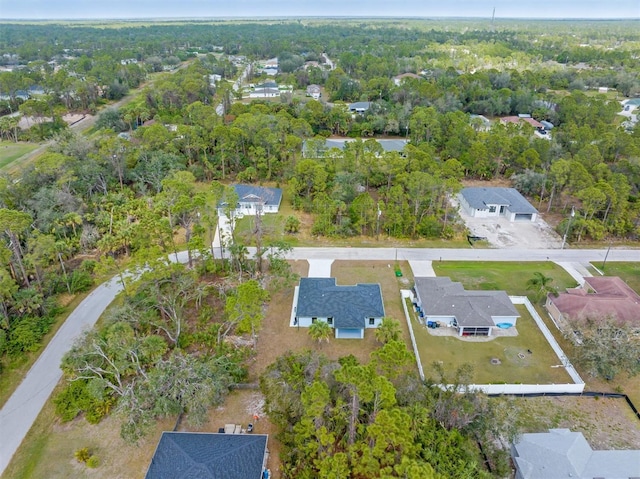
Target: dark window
x=313, y=320
x=372, y=321
x=492, y=209
x=329, y=321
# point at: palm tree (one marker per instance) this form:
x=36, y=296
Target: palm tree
x=389, y=330
x=541, y=285
x=320, y=331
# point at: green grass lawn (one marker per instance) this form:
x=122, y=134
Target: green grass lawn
x=9, y=151
x=452, y=352
x=499, y=275
x=630, y=272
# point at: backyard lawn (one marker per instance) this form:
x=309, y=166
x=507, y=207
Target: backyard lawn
x=502, y=275
x=516, y=364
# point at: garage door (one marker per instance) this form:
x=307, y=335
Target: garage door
x=523, y=217
x=349, y=333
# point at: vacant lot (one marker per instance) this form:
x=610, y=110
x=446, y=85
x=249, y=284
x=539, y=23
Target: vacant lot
x=498, y=360
x=606, y=423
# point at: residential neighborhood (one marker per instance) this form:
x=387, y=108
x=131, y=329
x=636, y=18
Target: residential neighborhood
x=319, y=246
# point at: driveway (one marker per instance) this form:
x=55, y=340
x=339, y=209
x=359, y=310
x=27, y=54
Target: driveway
x=502, y=233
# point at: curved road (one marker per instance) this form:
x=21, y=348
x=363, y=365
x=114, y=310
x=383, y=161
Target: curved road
x=22, y=408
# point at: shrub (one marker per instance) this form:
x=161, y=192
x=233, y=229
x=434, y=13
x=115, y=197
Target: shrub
x=80, y=281
x=82, y=455
x=93, y=462
x=292, y=225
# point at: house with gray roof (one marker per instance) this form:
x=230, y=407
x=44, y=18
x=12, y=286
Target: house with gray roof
x=472, y=313
x=349, y=310
x=188, y=455
x=359, y=107
x=561, y=453
x=318, y=148
x=253, y=200
x=489, y=202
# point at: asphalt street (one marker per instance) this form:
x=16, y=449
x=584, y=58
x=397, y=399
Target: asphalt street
x=22, y=408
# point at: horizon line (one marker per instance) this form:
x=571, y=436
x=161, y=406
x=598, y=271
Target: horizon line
x=300, y=17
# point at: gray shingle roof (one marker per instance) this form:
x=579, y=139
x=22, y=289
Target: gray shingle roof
x=480, y=198
x=347, y=305
x=185, y=455
x=360, y=105
x=249, y=193
x=442, y=297
x=561, y=453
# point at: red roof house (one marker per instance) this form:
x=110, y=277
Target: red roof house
x=601, y=297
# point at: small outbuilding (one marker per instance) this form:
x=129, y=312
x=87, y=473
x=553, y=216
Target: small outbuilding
x=488, y=202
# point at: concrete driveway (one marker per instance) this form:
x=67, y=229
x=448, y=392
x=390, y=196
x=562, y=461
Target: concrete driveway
x=502, y=233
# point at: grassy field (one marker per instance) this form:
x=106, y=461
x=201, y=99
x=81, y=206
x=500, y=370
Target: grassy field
x=9, y=151
x=517, y=365
x=497, y=275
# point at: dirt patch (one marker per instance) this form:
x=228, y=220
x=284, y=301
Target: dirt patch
x=606, y=423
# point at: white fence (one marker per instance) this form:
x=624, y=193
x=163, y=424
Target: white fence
x=407, y=294
x=577, y=387
x=528, y=388
x=564, y=360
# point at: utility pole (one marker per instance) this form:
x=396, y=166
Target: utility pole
x=564, y=238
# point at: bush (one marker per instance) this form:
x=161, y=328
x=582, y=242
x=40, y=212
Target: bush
x=26, y=335
x=292, y=225
x=93, y=462
x=80, y=281
x=78, y=397
x=82, y=455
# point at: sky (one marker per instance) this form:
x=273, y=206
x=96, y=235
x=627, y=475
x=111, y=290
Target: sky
x=121, y=9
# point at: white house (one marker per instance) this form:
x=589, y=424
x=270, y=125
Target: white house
x=349, y=310
x=266, y=90
x=253, y=200
x=473, y=313
x=359, y=107
x=488, y=202
x=398, y=79
x=314, y=92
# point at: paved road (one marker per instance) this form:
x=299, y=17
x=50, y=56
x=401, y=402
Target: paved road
x=417, y=254
x=22, y=408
